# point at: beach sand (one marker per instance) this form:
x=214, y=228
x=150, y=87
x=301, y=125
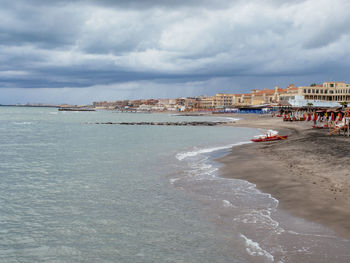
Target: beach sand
x=308, y=173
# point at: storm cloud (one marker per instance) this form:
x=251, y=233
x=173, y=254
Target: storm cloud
x=167, y=48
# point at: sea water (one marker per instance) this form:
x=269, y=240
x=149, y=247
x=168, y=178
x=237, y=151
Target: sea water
x=75, y=191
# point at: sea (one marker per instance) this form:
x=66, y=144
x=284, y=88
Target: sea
x=72, y=190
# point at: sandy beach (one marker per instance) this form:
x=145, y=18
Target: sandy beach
x=308, y=173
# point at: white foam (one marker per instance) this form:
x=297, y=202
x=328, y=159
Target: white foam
x=232, y=119
x=253, y=248
x=181, y=156
x=173, y=180
x=306, y=234
x=261, y=217
x=23, y=123
x=227, y=203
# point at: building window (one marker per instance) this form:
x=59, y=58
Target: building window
x=331, y=85
x=325, y=91
x=304, y=90
x=321, y=91
x=313, y=91
x=331, y=92
x=308, y=91
x=317, y=91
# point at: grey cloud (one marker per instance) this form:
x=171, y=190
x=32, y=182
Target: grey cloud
x=138, y=4
x=44, y=27
x=87, y=43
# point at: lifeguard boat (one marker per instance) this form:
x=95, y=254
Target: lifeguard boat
x=269, y=138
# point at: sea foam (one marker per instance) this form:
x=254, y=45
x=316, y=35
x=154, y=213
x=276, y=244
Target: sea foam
x=23, y=123
x=253, y=248
x=181, y=156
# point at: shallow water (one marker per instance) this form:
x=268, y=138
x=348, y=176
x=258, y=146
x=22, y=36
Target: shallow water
x=71, y=191
x=261, y=231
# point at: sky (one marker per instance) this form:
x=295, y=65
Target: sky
x=77, y=52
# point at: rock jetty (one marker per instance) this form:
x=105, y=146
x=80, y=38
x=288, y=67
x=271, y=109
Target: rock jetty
x=182, y=123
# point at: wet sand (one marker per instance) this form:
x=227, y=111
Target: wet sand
x=309, y=173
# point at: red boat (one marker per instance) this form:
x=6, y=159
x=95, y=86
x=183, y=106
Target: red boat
x=270, y=138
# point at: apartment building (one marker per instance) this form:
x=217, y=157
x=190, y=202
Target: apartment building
x=328, y=91
x=207, y=102
x=224, y=100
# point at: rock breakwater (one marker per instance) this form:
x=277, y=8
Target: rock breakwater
x=183, y=123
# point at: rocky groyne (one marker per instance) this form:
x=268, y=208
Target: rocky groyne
x=182, y=123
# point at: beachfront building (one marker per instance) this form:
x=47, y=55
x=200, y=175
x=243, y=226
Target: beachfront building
x=165, y=104
x=188, y=104
x=261, y=96
x=207, y=102
x=328, y=94
x=268, y=96
x=111, y=104
x=224, y=100
x=219, y=101
x=192, y=103
x=285, y=94
x=243, y=99
x=328, y=91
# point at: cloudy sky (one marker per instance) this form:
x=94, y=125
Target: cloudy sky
x=67, y=51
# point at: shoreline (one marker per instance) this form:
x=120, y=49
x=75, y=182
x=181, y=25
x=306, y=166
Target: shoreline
x=307, y=173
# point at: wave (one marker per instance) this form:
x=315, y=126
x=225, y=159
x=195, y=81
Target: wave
x=261, y=217
x=173, y=180
x=253, y=248
x=182, y=156
x=231, y=119
x=23, y=123
x=227, y=203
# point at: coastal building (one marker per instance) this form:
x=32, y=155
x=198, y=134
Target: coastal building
x=207, y=102
x=192, y=103
x=328, y=91
x=166, y=104
x=219, y=101
x=187, y=104
x=224, y=100
x=328, y=94
x=259, y=97
x=243, y=100
x=110, y=104
x=145, y=107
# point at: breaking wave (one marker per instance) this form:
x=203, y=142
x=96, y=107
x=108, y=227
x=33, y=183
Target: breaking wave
x=182, y=156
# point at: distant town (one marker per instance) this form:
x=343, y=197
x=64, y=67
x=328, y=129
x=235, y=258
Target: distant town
x=328, y=94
